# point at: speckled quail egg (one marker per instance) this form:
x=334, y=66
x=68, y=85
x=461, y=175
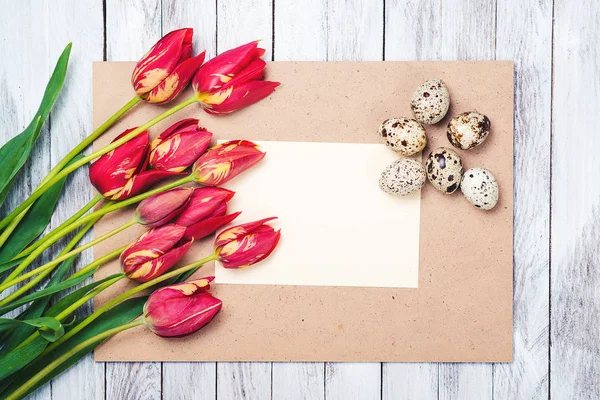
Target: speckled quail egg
x=444, y=169
x=403, y=135
x=468, y=130
x=403, y=176
x=430, y=102
x=480, y=187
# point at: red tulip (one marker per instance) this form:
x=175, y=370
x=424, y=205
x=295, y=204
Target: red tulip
x=118, y=174
x=181, y=309
x=244, y=245
x=167, y=68
x=179, y=146
x=163, y=207
x=206, y=212
x=154, y=253
x=233, y=80
x=225, y=161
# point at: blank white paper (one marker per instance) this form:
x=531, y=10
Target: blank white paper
x=338, y=228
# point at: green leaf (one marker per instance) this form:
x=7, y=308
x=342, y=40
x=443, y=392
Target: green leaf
x=117, y=316
x=49, y=290
x=8, y=265
x=20, y=357
x=36, y=309
x=50, y=328
x=34, y=222
x=16, y=151
x=69, y=299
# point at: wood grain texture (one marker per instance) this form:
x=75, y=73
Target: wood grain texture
x=524, y=34
x=355, y=32
x=301, y=32
x=132, y=27
x=468, y=33
x=239, y=23
x=33, y=32
x=185, y=380
x=575, y=277
x=412, y=33
x=81, y=22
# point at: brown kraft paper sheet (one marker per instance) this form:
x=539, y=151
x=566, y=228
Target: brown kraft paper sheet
x=462, y=310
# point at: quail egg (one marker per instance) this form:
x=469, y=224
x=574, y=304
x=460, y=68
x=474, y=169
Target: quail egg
x=403, y=176
x=444, y=169
x=480, y=187
x=430, y=102
x=468, y=130
x=403, y=135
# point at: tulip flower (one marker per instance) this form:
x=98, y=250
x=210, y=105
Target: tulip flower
x=206, y=212
x=244, y=245
x=181, y=309
x=120, y=173
x=167, y=68
x=179, y=146
x=155, y=252
x=233, y=80
x=225, y=161
x=163, y=207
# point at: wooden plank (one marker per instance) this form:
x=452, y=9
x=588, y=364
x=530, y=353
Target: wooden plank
x=184, y=380
x=132, y=27
x=524, y=34
x=23, y=75
x=355, y=32
x=409, y=381
x=244, y=380
x=468, y=33
x=81, y=23
x=575, y=278
x=412, y=33
x=239, y=23
x=301, y=35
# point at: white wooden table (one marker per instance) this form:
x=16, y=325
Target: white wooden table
x=557, y=191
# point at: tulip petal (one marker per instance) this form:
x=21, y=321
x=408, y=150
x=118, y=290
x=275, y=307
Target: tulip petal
x=208, y=226
x=180, y=151
x=140, y=182
x=161, y=208
x=203, y=203
x=249, y=249
x=225, y=161
x=110, y=173
x=222, y=68
x=161, y=60
x=158, y=266
x=176, y=81
x=188, y=124
x=237, y=97
x=238, y=231
x=151, y=245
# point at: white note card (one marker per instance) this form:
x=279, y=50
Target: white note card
x=337, y=227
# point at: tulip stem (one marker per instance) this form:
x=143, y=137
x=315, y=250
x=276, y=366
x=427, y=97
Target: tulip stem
x=68, y=222
x=84, y=160
x=58, y=260
x=54, y=237
x=73, y=307
x=121, y=298
x=16, y=219
x=113, y=254
x=24, y=389
x=72, y=243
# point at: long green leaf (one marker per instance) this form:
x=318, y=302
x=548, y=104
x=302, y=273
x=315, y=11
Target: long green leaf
x=34, y=222
x=49, y=328
x=16, y=151
x=46, y=292
x=69, y=299
x=117, y=316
